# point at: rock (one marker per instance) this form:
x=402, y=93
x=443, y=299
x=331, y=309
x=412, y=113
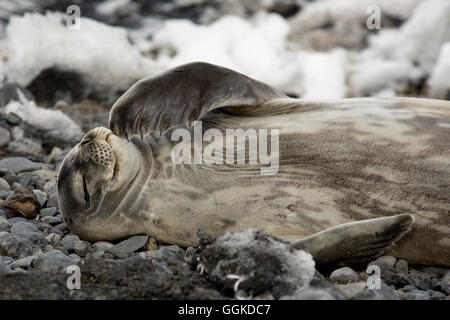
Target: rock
x=81, y=248
x=401, y=294
x=4, y=224
x=350, y=290
x=5, y=194
x=13, y=92
x=259, y=261
x=27, y=230
x=98, y=254
x=51, y=220
x=442, y=287
x=3, y=214
x=53, y=238
x=61, y=227
x=384, y=293
x=69, y=242
x=14, y=246
x=41, y=197
x=15, y=186
x=48, y=212
x=75, y=258
x=401, y=266
x=436, y=295
x=385, y=263
x=53, y=201
x=24, y=202
x=16, y=219
x=343, y=275
x=418, y=295
x=5, y=137
x=4, y=185
x=52, y=261
x=446, y=278
x=421, y=281
x=25, y=179
x=3, y=268
x=24, y=262
x=309, y=294
x=131, y=244
x=151, y=244
x=19, y=164
x=103, y=246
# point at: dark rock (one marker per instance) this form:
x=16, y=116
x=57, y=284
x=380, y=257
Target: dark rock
x=69, y=242
x=401, y=266
x=131, y=244
x=442, y=287
x=24, y=202
x=435, y=295
x=19, y=164
x=419, y=280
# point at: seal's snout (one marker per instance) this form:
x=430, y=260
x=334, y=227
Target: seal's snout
x=95, y=147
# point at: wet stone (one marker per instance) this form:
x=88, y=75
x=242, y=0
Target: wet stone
x=343, y=275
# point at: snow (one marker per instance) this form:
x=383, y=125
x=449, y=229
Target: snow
x=101, y=53
x=439, y=81
x=56, y=123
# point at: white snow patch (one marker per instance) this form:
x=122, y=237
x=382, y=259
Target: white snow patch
x=55, y=122
x=439, y=81
x=99, y=52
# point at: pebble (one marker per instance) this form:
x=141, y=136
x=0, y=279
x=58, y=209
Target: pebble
x=14, y=246
x=24, y=262
x=17, y=219
x=103, y=246
x=25, y=179
x=47, y=212
x=4, y=194
x=4, y=185
x=19, y=164
x=131, y=244
x=81, y=248
x=98, y=254
x=343, y=275
x=350, y=290
x=75, y=258
x=436, y=295
x=151, y=244
x=53, y=238
x=446, y=278
x=41, y=196
x=69, y=242
x=27, y=230
x=5, y=137
x=384, y=293
x=52, y=261
x=51, y=220
x=418, y=295
x=3, y=268
x=61, y=227
x=16, y=185
x=4, y=224
x=401, y=266
x=442, y=287
x=385, y=263
x=421, y=281
x=309, y=294
x=23, y=202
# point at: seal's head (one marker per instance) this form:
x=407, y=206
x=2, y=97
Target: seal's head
x=102, y=162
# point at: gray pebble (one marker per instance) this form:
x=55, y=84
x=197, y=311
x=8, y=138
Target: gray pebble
x=51, y=220
x=98, y=254
x=420, y=280
x=4, y=224
x=14, y=246
x=25, y=179
x=5, y=137
x=53, y=238
x=3, y=268
x=61, y=227
x=53, y=201
x=4, y=185
x=103, y=246
x=385, y=263
x=52, y=261
x=436, y=295
x=19, y=164
x=442, y=287
x=17, y=219
x=384, y=293
x=81, y=248
x=4, y=194
x=173, y=248
x=343, y=275
x=131, y=244
x=446, y=278
x=69, y=241
x=27, y=230
x=47, y=212
x=24, y=262
x=418, y=295
x=75, y=258
x=401, y=266
x=41, y=196
x=15, y=185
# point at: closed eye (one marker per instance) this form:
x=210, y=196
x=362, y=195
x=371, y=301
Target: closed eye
x=87, y=197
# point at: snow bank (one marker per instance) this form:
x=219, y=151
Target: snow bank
x=439, y=81
x=101, y=53
x=54, y=122
x=257, y=48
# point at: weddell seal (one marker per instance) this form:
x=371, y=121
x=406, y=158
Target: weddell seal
x=349, y=179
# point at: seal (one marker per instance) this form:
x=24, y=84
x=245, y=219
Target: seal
x=356, y=177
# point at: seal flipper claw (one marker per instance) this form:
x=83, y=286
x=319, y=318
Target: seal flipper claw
x=356, y=242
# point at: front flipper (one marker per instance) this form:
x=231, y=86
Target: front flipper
x=356, y=242
x=183, y=95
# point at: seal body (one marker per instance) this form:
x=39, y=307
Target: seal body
x=339, y=161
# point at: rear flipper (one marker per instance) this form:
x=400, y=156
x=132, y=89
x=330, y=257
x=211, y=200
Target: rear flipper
x=355, y=242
